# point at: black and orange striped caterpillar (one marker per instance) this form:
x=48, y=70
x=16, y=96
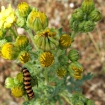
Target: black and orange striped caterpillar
x=27, y=83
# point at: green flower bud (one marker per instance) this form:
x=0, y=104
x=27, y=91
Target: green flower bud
x=78, y=14
x=74, y=24
x=95, y=15
x=75, y=99
x=61, y=72
x=9, y=82
x=19, y=78
x=82, y=98
x=47, y=39
x=90, y=102
x=75, y=69
x=63, y=59
x=23, y=9
x=21, y=22
x=22, y=41
x=79, y=103
x=81, y=26
x=89, y=26
x=37, y=20
x=73, y=55
x=88, y=6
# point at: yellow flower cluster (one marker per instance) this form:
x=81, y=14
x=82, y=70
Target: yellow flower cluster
x=46, y=59
x=7, y=17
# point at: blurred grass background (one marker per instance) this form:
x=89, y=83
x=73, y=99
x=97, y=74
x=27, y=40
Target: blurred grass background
x=91, y=47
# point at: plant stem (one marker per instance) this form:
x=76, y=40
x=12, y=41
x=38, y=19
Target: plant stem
x=73, y=34
x=15, y=35
x=65, y=97
x=31, y=37
x=94, y=43
x=46, y=76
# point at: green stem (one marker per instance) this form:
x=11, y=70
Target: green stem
x=31, y=37
x=46, y=76
x=73, y=34
x=94, y=43
x=65, y=97
x=15, y=35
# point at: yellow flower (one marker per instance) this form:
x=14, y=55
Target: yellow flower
x=7, y=17
x=22, y=41
x=37, y=20
x=65, y=41
x=23, y=9
x=46, y=59
x=7, y=51
x=61, y=72
x=17, y=92
x=24, y=57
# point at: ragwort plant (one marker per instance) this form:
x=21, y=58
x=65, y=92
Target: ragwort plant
x=50, y=74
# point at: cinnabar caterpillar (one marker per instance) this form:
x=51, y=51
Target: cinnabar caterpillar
x=27, y=83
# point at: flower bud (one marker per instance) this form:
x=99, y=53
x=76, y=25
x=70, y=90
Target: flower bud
x=76, y=99
x=88, y=6
x=22, y=41
x=89, y=26
x=79, y=103
x=8, y=51
x=47, y=39
x=75, y=69
x=65, y=41
x=24, y=57
x=37, y=20
x=19, y=78
x=9, y=82
x=61, y=72
x=17, y=92
x=73, y=55
x=46, y=59
x=21, y=22
x=74, y=24
x=81, y=26
x=95, y=15
x=78, y=14
x=90, y=102
x=23, y=9
x=63, y=59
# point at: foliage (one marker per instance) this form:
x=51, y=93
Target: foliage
x=52, y=74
